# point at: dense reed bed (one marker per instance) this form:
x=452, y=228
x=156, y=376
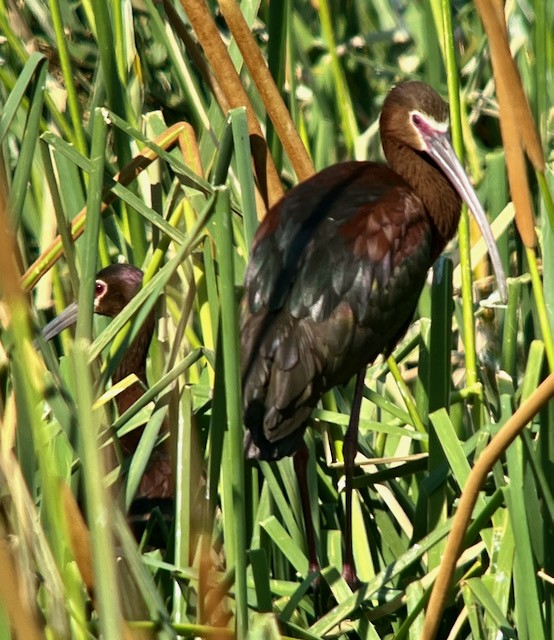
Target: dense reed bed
x=152, y=133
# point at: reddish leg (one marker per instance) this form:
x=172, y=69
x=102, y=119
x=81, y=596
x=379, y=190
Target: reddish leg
x=349, y=450
x=301, y=467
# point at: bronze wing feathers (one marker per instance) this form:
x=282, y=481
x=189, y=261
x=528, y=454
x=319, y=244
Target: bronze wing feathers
x=323, y=284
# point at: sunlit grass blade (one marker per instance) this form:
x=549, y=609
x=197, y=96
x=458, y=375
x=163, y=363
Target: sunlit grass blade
x=23, y=170
x=233, y=465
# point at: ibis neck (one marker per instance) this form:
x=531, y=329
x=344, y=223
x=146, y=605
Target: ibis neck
x=437, y=194
x=134, y=362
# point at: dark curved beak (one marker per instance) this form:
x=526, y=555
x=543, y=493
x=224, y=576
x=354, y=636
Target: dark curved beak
x=440, y=149
x=66, y=318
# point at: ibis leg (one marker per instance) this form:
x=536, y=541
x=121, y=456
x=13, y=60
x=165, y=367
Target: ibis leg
x=301, y=468
x=350, y=448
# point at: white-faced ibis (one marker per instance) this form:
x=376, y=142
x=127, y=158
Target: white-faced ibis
x=115, y=287
x=334, y=276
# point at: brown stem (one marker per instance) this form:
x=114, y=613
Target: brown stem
x=188, y=145
x=79, y=539
x=496, y=447
x=274, y=104
x=515, y=163
x=268, y=180
x=492, y=15
x=516, y=121
x=21, y=613
x=10, y=256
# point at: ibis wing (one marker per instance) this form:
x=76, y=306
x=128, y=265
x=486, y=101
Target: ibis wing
x=330, y=285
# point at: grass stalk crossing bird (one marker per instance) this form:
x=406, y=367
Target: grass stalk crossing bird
x=115, y=286
x=334, y=277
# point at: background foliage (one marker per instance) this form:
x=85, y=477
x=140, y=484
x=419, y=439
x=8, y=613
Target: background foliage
x=85, y=89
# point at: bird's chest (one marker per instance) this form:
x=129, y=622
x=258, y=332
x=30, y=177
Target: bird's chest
x=377, y=320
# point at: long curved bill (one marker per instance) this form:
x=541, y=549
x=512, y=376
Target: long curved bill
x=66, y=318
x=440, y=149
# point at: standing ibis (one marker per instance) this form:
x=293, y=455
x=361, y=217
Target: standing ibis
x=334, y=276
x=115, y=286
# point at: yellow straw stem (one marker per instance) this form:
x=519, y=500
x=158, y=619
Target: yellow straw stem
x=188, y=145
x=79, y=536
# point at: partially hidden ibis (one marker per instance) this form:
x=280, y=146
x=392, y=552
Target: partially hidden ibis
x=115, y=286
x=334, y=277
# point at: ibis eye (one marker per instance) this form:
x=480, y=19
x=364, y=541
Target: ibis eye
x=99, y=288
x=417, y=120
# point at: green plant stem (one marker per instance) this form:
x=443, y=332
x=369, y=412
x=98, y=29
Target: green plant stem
x=547, y=197
x=10, y=80
x=22, y=173
x=344, y=103
x=233, y=452
x=408, y=399
x=463, y=228
x=120, y=42
x=118, y=104
x=106, y=45
x=97, y=504
x=280, y=15
x=541, y=69
x=509, y=340
x=97, y=500
x=159, y=252
x=67, y=72
x=94, y=217
x=541, y=307
x=239, y=127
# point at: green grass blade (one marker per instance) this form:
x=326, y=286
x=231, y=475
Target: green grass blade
x=233, y=465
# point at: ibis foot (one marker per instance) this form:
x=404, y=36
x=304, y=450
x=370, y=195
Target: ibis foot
x=349, y=574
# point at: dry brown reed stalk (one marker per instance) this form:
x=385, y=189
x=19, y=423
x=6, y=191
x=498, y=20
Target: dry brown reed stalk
x=274, y=104
x=22, y=618
x=188, y=145
x=267, y=178
x=79, y=537
x=492, y=16
x=10, y=257
x=491, y=454
x=515, y=165
x=17, y=585
x=516, y=121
